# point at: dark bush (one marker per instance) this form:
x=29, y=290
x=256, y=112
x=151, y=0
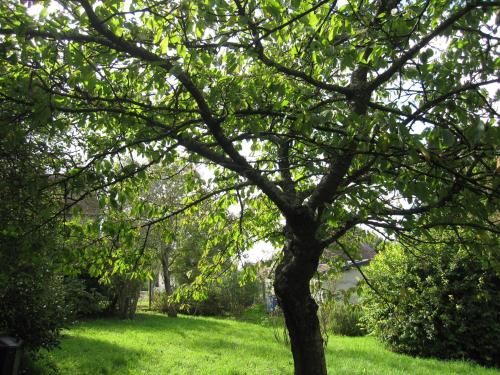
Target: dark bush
x=91, y=298
x=33, y=307
x=442, y=302
x=88, y=298
x=123, y=295
x=32, y=291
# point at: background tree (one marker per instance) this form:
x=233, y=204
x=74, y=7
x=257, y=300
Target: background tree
x=328, y=115
x=178, y=235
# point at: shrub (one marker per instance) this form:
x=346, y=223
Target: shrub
x=34, y=307
x=444, y=302
x=161, y=302
x=123, y=294
x=33, y=303
x=88, y=300
x=32, y=294
x=91, y=297
x=341, y=318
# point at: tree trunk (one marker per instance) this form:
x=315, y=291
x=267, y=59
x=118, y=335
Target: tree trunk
x=165, y=265
x=292, y=278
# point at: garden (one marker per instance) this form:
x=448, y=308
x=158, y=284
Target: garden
x=249, y=187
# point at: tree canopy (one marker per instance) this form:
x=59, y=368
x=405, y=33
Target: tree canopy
x=323, y=115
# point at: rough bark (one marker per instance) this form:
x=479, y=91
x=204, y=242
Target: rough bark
x=165, y=265
x=292, y=281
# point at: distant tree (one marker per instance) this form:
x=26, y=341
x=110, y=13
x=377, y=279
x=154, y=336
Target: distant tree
x=326, y=115
x=178, y=235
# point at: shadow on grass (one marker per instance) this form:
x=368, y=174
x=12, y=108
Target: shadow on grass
x=146, y=322
x=84, y=355
x=182, y=325
x=109, y=346
x=201, y=334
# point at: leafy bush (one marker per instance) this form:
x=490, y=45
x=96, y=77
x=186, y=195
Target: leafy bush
x=161, y=302
x=88, y=300
x=34, y=307
x=123, y=294
x=443, y=302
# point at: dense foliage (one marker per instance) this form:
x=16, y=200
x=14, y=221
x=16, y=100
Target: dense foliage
x=441, y=301
x=33, y=298
x=91, y=298
x=229, y=296
x=88, y=296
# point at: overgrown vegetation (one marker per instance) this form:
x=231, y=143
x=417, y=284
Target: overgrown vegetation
x=439, y=301
x=341, y=318
x=87, y=295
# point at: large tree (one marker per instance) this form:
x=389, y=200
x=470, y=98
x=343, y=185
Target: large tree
x=331, y=114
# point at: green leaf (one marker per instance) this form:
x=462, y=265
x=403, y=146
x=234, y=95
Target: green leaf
x=164, y=45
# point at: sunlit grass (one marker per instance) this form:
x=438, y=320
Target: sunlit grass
x=156, y=344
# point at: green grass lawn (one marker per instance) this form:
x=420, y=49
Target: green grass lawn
x=156, y=344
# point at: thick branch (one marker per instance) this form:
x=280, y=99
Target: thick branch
x=330, y=183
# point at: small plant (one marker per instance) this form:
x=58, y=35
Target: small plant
x=162, y=303
x=278, y=325
x=338, y=316
x=345, y=319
